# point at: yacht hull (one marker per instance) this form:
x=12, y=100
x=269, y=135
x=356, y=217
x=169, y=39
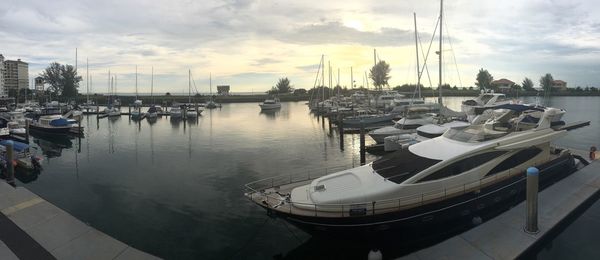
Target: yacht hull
x=433, y=216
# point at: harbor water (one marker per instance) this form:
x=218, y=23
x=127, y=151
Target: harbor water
x=175, y=189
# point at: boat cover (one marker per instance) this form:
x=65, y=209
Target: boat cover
x=17, y=146
x=59, y=122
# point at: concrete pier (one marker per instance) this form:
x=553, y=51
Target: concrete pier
x=33, y=228
x=503, y=237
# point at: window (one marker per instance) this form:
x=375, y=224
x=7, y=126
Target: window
x=401, y=165
x=516, y=160
x=462, y=166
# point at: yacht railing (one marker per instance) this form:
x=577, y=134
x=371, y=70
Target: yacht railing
x=266, y=191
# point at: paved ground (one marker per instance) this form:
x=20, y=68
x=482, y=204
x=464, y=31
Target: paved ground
x=32, y=228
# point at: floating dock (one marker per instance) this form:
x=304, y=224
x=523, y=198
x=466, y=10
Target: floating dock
x=503, y=237
x=32, y=228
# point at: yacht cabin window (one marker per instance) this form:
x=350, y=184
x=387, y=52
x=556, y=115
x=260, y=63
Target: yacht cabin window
x=401, y=165
x=473, y=134
x=515, y=160
x=463, y=165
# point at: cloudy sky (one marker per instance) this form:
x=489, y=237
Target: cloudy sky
x=249, y=44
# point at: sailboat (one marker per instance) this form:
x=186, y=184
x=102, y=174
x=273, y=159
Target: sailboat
x=191, y=112
x=210, y=104
x=88, y=82
x=152, y=111
x=137, y=104
x=111, y=110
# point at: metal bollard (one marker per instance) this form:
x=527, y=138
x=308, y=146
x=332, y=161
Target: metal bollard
x=531, y=222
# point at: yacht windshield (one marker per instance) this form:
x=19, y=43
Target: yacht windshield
x=401, y=165
x=475, y=133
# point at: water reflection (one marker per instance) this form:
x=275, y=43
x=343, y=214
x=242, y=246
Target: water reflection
x=52, y=145
x=271, y=113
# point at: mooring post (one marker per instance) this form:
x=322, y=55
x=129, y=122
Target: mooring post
x=329, y=123
x=340, y=131
x=531, y=222
x=10, y=168
x=362, y=143
x=129, y=106
x=27, y=131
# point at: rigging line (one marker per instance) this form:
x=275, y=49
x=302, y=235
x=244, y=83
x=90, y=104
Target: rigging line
x=425, y=67
x=453, y=55
x=250, y=239
x=193, y=81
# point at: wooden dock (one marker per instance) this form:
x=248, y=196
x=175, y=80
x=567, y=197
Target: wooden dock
x=33, y=228
x=503, y=237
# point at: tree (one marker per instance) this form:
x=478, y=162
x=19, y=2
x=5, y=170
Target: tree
x=283, y=86
x=527, y=84
x=380, y=74
x=546, y=82
x=300, y=91
x=594, y=89
x=484, y=79
x=70, y=81
x=62, y=80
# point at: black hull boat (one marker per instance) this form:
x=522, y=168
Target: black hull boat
x=433, y=216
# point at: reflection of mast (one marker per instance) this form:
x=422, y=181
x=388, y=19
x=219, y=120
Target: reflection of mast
x=151, y=144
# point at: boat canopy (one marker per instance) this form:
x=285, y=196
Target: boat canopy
x=59, y=122
x=17, y=146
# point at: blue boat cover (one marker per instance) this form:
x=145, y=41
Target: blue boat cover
x=59, y=122
x=17, y=146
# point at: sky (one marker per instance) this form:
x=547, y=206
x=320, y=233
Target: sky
x=250, y=44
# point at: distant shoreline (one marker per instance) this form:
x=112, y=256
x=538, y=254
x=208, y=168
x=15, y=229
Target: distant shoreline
x=163, y=99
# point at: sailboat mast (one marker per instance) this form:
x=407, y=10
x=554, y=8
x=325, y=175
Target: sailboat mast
x=440, y=52
x=136, y=89
x=351, y=78
x=417, y=51
x=323, y=77
x=152, y=86
x=87, y=79
x=189, y=86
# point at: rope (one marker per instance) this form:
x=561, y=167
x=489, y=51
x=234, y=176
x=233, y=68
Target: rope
x=453, y=56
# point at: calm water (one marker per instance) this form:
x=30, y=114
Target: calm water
x=174, y=189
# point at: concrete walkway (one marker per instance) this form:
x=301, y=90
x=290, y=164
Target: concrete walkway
x=503, y=237
x=59, y=234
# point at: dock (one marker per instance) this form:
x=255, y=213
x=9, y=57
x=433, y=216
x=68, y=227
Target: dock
x=33, y=228
x=503, y=237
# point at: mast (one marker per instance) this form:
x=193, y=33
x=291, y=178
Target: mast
x=109, y=97
x=323, y=77
x=189, y=86
x=440, y=52
x=136, y=90
x=87, y=79
x=417, y=51
x=152, y=86
x=338, y=82
x=351, y=78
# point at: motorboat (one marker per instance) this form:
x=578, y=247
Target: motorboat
x=482, y=102
x=15, y=129
x=55, y=124
x=462, y=173
x=424, y=132
x=22, y=155
x=271, y=103
x=405, y=125
x=112, y=111
x=367, y=120
x=192, y=113
x=386, y=98
x=176, y=112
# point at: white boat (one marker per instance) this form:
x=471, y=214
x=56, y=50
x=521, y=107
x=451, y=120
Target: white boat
x=482, y=102
x=210, y=104
x=425, y=132
x=55, y=124
x=386, y=98
x=435, y=179
x=271, y=103
x=405, y=125
x=112, y=111
x=152, y=112
x=176, y=112
x=16, y=129
x=191, y=112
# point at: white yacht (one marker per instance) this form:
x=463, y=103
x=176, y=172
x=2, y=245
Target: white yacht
x=271, y=103
x=405, y=125
x=152, y=112
x=137, y=113
x=112, y=111
x=386, y=98
x=424, y=132
x=176, y=112
x=484, y=101
x=465, y=171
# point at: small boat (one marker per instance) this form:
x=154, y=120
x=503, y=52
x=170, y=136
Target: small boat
x=425, y=132
x=54, y=124
x=15, y=129
x=367, y=120
x=152, y=112
x=272, y=103
x=176, y=112
x=136, y=113
x=112, y=111
x=405, y=125
x=21, y=155
x=482, y=102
